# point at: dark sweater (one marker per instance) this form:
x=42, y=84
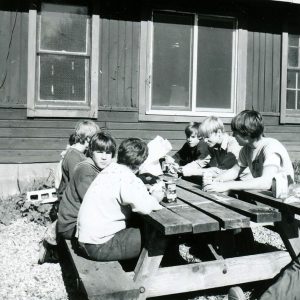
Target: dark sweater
x=187, y=154
x=84, y=174
x=71, y=159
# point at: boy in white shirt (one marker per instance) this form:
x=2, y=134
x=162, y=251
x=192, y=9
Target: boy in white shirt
x=108, y=203
x=265, y=157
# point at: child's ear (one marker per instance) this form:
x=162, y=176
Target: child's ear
x=219, y=132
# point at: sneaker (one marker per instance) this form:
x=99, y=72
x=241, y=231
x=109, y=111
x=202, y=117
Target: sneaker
x=47, y=253
x=236, y=293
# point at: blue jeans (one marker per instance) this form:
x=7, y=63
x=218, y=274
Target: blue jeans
x=125, y=244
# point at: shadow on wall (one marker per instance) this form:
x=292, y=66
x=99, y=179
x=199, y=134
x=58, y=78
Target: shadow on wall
x=15, y=178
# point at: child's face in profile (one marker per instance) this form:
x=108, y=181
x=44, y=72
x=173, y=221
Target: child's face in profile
x=192, y=140
x=102, y=159
x=214, y=138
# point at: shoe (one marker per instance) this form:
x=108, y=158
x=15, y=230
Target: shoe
x=47, y=253
x=236, y=293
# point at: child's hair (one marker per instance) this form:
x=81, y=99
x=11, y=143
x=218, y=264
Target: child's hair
x=210, y=125
x=192, y=128
x=248, y=123
x=132, y=153
x=84, y=130
x=72, y=139
x=102, y=142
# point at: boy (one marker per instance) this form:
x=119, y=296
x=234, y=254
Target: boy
x=265, y=157
x=107, y=205
x=194, y=153
x=75, y=154
x=102, y=149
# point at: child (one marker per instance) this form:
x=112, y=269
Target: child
x=194, y=153
x=102, y=149
x=107, y=205
x=265, y=157
x=75, y=154
x=58, y=171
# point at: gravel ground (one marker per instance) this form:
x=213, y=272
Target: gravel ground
x=22, y=278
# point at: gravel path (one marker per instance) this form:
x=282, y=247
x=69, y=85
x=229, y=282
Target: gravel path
x=21, y=277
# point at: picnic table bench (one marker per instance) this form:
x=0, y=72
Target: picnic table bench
x=194, y=213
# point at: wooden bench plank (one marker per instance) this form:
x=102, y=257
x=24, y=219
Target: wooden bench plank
x=200, y=221
x=227, y=218
x=169, y=223
x=258, y=214
x=267, y=198
x=102, y=280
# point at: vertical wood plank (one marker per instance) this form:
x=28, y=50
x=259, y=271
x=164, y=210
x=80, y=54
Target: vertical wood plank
x=256, y=63
x=113, y=63
x=268, y=73
x=276, y=72
x=121, y=63
x=104, y=25
x=136, y=33
x=261, y=72
x=128, y=64
x=250, y=63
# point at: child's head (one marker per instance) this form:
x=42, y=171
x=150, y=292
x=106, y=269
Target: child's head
x=132, y=153
x=84, y=130
x=247, y=124
x=192, y=134
x=212, y=129
x=102, y=149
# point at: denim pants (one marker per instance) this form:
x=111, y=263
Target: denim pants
x=125, y=244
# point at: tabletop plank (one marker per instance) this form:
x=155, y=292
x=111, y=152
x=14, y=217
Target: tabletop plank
x=227, y=218
x=200, y=221
x=258, y=214
x=168, y=223
x=267, y=198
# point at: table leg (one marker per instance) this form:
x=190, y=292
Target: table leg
x=149, y=262
x=289, y=230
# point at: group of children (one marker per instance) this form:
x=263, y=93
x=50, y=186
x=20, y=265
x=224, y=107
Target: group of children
x=99, y=188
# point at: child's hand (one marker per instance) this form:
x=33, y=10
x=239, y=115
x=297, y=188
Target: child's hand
x=219, y=187
x=169, y=159
x=157, y=191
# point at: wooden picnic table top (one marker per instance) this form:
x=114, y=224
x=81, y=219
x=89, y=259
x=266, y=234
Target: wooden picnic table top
x=196, y=211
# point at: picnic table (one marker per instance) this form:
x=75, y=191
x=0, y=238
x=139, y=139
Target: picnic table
x=193, y=214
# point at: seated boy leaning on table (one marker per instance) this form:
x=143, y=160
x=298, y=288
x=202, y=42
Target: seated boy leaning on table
x=194, y=153
x=264, y=156
x=108, y=203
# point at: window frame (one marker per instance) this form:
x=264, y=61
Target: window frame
x=286, y=115
x=145, y=63
x=36, y=110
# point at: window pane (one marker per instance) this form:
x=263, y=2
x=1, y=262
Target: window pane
x=290, y=99
x=172, y=41
x=62, y=78
x=214, y=67
x=293, y=57
x=63, y=31
x=291, y=80
x=293, y=40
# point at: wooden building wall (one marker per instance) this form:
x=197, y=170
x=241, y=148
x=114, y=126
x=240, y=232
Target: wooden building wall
x=25, y=140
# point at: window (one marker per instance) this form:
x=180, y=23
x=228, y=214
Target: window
x=290, y=92
x=191, y=66
x=62, y=62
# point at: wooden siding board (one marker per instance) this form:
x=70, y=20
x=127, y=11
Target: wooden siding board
x=256, y=62
x=113, y=63
x=104, y=53
x=276, y=72
x=121, y=64
x=250, y=63
x=135, y=64
x=261, y=72
x=128, y=64
x=268, y=73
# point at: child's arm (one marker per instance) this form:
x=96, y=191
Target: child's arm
x=260, y=183
x=134, y=193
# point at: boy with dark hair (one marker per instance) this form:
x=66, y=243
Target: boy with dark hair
x=265, y=157
x=194, y=153
x=102, y=149
x=107, y=205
